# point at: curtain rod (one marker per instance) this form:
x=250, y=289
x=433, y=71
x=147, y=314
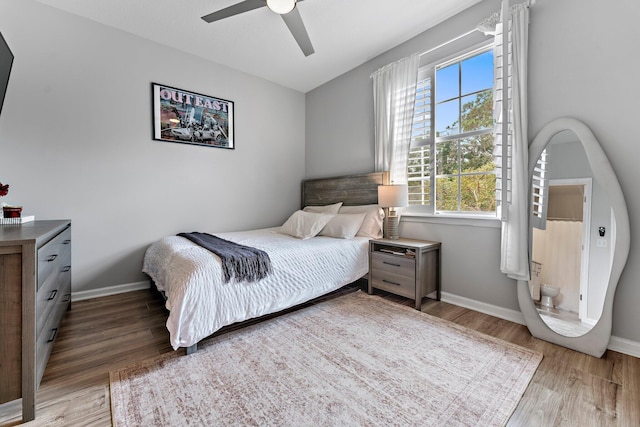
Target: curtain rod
x=448, y=42
x=528, y=3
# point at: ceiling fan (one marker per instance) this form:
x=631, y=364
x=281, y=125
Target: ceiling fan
x=285, y=8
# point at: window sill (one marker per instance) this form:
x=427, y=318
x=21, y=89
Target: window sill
x=463, y=220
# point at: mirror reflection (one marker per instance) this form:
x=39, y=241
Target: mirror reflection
x=572, y=236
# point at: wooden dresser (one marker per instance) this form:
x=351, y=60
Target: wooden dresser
x=35, y=292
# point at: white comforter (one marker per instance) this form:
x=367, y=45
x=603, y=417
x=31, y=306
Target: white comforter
x=200, y=302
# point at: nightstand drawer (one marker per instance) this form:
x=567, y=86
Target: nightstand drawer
x=394, y=264
x=395, y=283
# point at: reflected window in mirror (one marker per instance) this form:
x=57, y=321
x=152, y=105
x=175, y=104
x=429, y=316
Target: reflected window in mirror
x=539, y=182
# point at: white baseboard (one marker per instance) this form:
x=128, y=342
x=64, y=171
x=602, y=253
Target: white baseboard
x=621, y=345
x=483, y=307
x=111, y=290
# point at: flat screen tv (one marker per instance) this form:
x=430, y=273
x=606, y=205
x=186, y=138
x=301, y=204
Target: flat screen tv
x=6, y=61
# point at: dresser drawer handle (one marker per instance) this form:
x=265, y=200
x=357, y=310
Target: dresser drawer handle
x=66, y=268
x=52, y=258
x=390, y=282
x=52, y=337
x=66, y=242
x=67, y=297
x=52, y=295
x=390, y=263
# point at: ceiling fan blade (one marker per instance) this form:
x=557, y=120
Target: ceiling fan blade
x=236, y=9
x=299, y=32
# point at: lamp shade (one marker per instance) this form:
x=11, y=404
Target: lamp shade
x=281, y=6
x=393, y=196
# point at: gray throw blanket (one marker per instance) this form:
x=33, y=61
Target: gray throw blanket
x=244, y=262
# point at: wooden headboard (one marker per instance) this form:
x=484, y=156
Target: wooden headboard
x=361, y=189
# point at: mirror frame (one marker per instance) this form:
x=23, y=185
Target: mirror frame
x=595, y=341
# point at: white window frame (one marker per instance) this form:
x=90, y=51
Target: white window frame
x=428, y=71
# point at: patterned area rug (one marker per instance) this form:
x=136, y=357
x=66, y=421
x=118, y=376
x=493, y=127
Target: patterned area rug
x=352, y=360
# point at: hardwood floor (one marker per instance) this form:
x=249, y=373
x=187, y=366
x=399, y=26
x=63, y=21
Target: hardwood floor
x=99, y=335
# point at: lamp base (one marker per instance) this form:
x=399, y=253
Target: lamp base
x=391, y=228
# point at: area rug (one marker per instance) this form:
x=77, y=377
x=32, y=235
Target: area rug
x=356, y=360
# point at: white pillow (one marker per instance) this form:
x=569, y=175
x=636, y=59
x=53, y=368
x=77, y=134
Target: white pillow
x=330, y=209
x=373, y=221
x=305, y=225
x=343, y=226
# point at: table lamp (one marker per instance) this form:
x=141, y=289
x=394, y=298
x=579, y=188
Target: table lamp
x=391, y=197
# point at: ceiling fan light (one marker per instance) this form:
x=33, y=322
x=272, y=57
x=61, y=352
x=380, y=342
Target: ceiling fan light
x=281, y=7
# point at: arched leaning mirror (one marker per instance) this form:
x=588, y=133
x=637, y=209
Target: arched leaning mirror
x=579, y=239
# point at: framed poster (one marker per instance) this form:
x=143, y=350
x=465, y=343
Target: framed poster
x=191, y=118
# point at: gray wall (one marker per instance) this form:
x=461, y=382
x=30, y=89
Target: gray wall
x=75, y=142
x=581, y=64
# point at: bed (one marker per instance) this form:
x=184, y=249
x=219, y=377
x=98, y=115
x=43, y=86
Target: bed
x=191, y=278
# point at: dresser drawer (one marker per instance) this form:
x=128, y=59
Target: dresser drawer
x=46, y=299
x=47, y=336
x=53, y=294
x=51, y=255
x=44, y=345
x=394, y=264
x=56, y=290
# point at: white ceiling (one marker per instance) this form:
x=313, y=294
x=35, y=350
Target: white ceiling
x=344, y=33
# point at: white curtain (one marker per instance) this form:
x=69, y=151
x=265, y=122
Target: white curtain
x=511, y=50
x=394, y=94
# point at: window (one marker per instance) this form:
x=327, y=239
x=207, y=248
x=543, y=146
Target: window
x=451, y=165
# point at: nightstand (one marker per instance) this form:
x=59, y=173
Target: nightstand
x=405, y=267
